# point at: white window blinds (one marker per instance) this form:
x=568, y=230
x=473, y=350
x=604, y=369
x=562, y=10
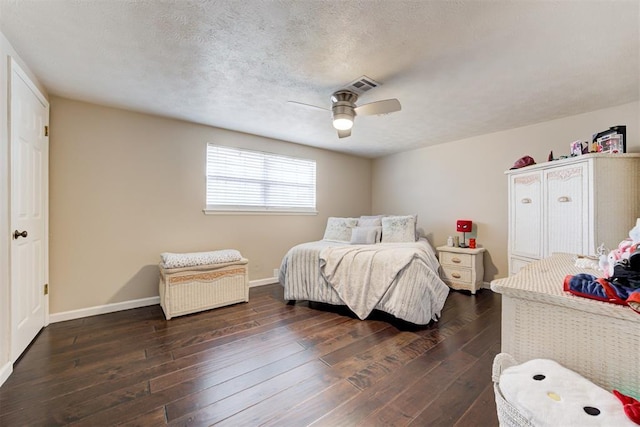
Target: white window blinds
x=243, y=180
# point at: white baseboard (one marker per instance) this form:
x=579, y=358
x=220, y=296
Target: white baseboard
x=262, y=282
x=102, y=309
x=5, y=371
x=126, y=305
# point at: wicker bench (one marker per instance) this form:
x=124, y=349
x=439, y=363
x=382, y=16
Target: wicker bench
x=188, y=290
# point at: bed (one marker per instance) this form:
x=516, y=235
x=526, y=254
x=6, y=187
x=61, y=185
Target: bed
x=398, y=278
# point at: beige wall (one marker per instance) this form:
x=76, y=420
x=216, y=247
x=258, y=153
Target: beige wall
x=125, y=187
x=465, y=179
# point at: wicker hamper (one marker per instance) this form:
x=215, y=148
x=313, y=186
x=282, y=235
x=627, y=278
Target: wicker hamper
x=191, y=289
x=508, y=415
x=545, y=393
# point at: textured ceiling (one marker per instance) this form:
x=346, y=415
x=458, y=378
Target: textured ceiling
x=459, y=68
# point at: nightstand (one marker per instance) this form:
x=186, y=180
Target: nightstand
x=463, y=267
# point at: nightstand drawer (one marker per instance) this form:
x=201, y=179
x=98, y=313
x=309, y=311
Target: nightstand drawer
x=456, y=259
x=457, y=275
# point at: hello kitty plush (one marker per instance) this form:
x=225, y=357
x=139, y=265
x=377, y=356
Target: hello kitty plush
x=547, y=394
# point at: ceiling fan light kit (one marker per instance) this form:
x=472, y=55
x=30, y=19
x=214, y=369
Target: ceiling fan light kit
x=342, y=122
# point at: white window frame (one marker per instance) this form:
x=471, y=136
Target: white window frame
x=254, y=173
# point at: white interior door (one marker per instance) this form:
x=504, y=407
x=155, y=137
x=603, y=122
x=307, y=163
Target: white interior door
x=29, y=112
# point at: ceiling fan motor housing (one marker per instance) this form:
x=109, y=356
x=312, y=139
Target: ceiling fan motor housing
x=344, y=96
x=343, y=104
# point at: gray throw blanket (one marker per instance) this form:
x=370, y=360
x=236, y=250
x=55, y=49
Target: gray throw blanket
x=361, y=275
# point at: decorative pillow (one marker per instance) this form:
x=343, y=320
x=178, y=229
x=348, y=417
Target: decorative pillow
x=399, y=229
x=339, y=229
x=370, y=221
x=365, y=235
x=171, y=260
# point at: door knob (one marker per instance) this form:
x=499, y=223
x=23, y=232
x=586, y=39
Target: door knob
x=17, y=234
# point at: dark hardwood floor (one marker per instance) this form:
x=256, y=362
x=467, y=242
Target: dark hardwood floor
x=260, y=363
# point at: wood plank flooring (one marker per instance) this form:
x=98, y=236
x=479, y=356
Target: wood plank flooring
x=260, y=363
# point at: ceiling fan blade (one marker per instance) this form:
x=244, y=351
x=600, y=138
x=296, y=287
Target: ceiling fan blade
x=379, y=107
x=344, y=133
x=308, y=105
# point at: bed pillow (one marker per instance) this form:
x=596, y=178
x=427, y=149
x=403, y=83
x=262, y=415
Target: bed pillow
x=339, y=229
x=370, y=221
x=399, y=229
x=365, y=235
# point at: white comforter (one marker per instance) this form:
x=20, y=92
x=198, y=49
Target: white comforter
x=401, y=279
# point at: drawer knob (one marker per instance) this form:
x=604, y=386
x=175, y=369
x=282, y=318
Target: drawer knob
x=456, y=260
x=456, y=275
x=525, y=200
x=564, y=199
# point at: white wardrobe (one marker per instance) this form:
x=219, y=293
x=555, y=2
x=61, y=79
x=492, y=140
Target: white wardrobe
x=572, y=205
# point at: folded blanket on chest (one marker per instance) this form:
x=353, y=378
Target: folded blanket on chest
x=361, y=275
x=601, y=289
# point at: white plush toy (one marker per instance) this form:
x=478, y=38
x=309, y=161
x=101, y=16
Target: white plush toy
x=548, y=394
x=623, y=251
x=634, y=233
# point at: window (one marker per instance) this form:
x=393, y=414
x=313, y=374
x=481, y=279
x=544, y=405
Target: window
x=243, y=180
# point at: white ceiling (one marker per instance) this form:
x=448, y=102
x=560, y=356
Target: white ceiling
x=459, y=68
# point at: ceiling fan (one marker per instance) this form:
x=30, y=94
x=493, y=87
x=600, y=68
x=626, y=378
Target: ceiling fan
x=344, y=108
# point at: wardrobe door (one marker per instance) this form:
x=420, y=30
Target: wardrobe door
x=566, y=210
x=525, y=234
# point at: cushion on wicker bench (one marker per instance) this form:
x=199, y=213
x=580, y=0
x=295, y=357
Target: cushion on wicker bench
x=173, y=260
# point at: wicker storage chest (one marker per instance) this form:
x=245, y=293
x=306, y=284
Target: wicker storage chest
x=191, y=289
x=598, y=340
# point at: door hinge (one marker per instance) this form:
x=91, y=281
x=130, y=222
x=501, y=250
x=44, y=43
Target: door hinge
x=46, y=131
x=46, y=289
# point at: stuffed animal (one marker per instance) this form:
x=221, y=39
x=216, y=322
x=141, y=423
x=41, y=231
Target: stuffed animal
x=622, y=252
x=548, y=394
x=634, y=233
